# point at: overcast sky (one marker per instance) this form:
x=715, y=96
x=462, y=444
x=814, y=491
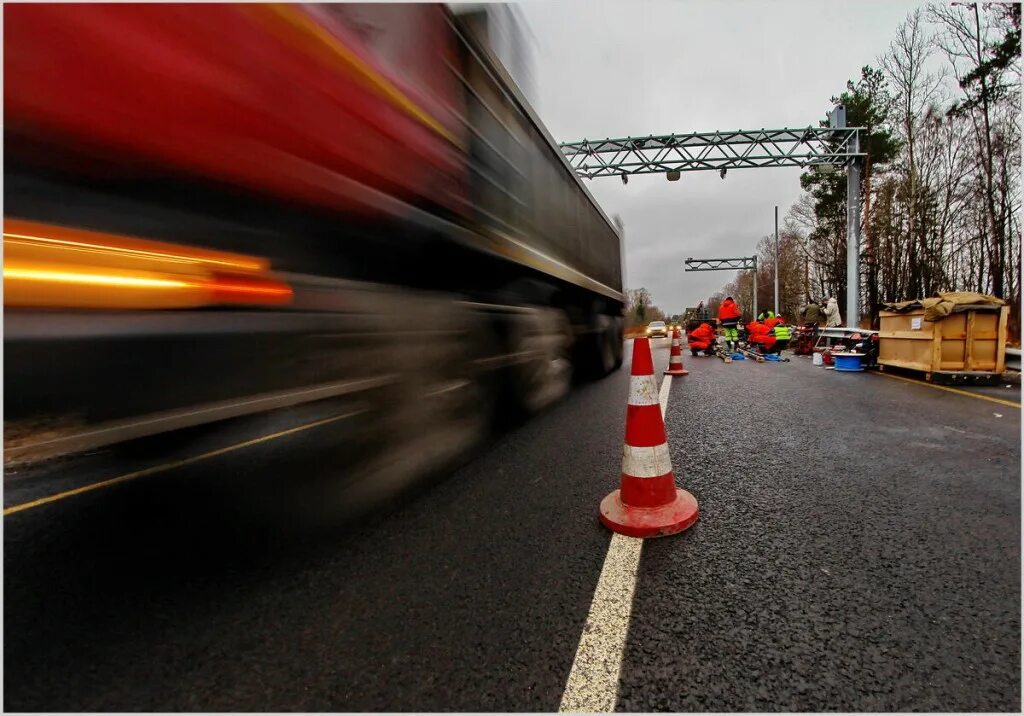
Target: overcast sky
x=608, y=68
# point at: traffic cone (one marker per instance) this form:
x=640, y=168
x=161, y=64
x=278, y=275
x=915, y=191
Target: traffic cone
x=675, y=357
x=648, y=503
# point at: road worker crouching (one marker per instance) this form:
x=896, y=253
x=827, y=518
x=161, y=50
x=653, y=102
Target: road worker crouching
x=701, y=340
x=760, y=337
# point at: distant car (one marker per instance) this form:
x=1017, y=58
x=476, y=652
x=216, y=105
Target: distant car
x=657, y=328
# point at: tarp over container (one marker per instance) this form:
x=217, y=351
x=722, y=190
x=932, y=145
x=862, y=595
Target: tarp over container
x=943, y=304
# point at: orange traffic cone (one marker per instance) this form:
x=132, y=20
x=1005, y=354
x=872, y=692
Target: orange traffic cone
x=648, y=503
x=675, y=357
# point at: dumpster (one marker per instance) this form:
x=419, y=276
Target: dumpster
x=954, y=335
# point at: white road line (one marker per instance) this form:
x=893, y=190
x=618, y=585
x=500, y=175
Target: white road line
x=666, y=385
x=593, y=684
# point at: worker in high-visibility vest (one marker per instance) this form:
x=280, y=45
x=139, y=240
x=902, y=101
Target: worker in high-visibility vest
x=782, y=335
x=764, y=315
x=729, y=317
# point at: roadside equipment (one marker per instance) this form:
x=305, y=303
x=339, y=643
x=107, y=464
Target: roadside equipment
x=723, y=354
x=648, y=503
x=675, y=358
x=802, y=343
x=752, y=354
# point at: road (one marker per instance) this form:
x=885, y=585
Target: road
x=858, y=549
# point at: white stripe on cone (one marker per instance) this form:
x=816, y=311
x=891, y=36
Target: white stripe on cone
x=646, y=461
x=643, y=390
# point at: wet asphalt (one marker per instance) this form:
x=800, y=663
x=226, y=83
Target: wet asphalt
x=858, y=549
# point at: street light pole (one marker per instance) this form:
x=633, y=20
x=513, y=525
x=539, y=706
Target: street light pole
x=776, y=260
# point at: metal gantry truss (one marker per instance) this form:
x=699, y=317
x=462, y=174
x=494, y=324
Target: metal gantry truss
x=742, y=264
x=817, y=147
x=719, y=151
x=746, y=263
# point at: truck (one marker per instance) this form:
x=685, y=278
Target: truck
x=219, y=211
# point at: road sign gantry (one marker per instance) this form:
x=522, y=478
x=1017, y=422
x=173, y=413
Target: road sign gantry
x=745, y=263
x=819, y=148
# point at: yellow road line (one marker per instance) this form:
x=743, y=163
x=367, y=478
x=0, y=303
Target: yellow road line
x=952, y=390
x=167, y=466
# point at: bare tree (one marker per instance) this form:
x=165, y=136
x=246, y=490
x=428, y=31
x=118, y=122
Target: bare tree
x=915, y=90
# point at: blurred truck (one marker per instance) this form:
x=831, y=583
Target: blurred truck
x=219, y=210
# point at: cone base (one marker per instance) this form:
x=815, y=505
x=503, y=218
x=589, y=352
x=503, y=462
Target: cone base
x=677, y=372
x=631, y=521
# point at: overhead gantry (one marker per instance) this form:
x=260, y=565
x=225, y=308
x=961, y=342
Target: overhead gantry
x=823, y=149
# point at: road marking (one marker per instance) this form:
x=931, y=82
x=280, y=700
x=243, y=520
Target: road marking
x=666, y=385
x=593, y=684
x=169, y=466
x=951, y=390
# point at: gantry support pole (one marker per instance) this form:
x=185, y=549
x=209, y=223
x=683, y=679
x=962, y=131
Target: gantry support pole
x=853, y=243
x=754, y=317
x=776, y=261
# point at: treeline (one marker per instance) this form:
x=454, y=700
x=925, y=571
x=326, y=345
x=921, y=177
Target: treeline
x=640, y=308
x=941, y=181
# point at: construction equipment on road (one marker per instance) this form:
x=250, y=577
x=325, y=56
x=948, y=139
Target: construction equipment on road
x=647, y=503
x=803, y=339
x=675, y=358
x=752, y=354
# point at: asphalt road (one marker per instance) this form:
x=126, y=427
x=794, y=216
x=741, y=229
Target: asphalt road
x=858, y=549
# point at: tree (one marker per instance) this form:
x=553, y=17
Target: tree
x=983, y=50
x=915, y=90
x=637, y=302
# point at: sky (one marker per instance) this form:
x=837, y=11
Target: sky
x=611, y=68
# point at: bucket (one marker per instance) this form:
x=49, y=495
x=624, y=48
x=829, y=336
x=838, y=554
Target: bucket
x=848, y=362
x=816, y=359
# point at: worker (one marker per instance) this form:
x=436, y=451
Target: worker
x=812, y=312
x=782, y=335
x=729, y=317
x=832, y=317
x=701, y=338
x=763, y=315
x=759, y=336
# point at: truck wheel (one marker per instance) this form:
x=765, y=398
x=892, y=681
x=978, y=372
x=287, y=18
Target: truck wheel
x=617, y=341
x=543, y=338
x=599, y=352
x=604, y=356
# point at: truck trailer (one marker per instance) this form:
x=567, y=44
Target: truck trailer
x=217, y=211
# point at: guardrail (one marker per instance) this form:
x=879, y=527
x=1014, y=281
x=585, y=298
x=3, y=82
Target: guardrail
x=1013, y=359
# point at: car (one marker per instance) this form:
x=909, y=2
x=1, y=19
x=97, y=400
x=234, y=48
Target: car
x=657, y=328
